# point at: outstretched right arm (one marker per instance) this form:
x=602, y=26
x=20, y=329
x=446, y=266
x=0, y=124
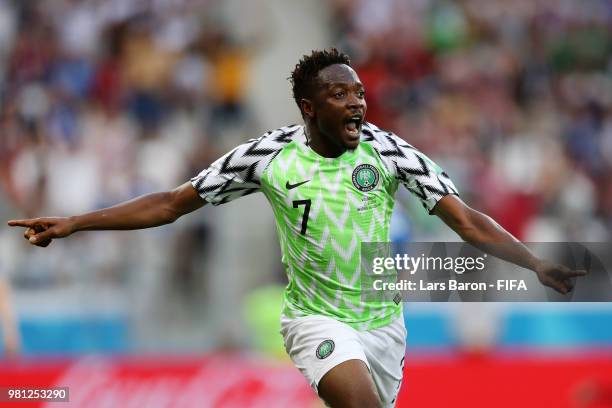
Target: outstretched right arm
x=150, y=210
x=234, y=175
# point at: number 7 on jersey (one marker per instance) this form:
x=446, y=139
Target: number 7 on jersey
x=306, y=204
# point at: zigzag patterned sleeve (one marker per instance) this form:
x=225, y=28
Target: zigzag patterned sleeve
x=238, y=173
x=417, y=172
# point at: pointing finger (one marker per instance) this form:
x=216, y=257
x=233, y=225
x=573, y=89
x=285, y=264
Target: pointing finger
x=579, y=272
x=22, y=223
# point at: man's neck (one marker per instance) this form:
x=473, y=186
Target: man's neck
x=321, y=144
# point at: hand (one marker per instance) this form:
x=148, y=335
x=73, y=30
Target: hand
x=41, y=231
x=557, y=276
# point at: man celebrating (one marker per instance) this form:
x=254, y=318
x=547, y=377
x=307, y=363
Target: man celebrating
x=331, y=184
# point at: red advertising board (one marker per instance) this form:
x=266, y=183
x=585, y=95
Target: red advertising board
x=509, y=381
x=228, y=381
x=225, y=381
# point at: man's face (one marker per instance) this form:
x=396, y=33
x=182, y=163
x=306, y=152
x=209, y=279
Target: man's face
x=338, y=105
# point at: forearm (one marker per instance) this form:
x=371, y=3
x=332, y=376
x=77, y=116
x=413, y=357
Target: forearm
x=150, y=210
x=490, y=237
x=481, y=231
x=145, y=211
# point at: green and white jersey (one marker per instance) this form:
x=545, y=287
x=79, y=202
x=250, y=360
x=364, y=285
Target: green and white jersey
x=324, y=208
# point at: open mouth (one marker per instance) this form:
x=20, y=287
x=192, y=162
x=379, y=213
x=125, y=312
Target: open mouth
x=353, y=124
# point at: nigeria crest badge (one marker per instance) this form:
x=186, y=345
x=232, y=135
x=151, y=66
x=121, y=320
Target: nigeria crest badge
x=365, y=177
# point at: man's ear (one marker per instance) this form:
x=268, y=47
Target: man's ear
x=307, y=107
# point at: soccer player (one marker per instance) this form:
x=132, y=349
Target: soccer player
x=331, y=184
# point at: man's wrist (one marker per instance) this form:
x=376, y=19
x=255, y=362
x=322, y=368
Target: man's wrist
x=535, y=264
x=73, y=222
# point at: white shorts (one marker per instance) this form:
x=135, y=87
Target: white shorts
x=316, y=344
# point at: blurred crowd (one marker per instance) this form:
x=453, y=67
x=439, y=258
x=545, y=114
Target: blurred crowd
x=514, y=98
x=103, y=100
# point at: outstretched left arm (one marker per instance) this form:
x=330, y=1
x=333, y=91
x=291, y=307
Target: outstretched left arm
x=484, y=233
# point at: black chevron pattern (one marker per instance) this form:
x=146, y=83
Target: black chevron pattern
x=367, y=135
x=198, y=181
x=418, y=192
x=410, y=166
x=261, y=152
x=238, y=173
x=285, y=137
x=227, y=167
x=250, y=176
x=434, y=190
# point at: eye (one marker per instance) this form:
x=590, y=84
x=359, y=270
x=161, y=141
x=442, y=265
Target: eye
x=339, y=95
x=361, y=94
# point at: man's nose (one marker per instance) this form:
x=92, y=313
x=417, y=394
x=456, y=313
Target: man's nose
x=354, y=101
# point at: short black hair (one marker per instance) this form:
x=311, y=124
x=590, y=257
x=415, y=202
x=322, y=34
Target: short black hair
x=305, y=73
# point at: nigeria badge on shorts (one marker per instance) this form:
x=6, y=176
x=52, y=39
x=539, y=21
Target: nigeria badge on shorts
x=365, y=177
x=325, y=349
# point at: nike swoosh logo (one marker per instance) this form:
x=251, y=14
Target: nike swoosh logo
x=289, y=186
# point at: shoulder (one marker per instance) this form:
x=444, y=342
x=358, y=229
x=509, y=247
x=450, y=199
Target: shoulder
x=280, y=137
x=258, y=152
x=391, y=149
x=252, y=156
x=386, y=143
x=238, y=172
